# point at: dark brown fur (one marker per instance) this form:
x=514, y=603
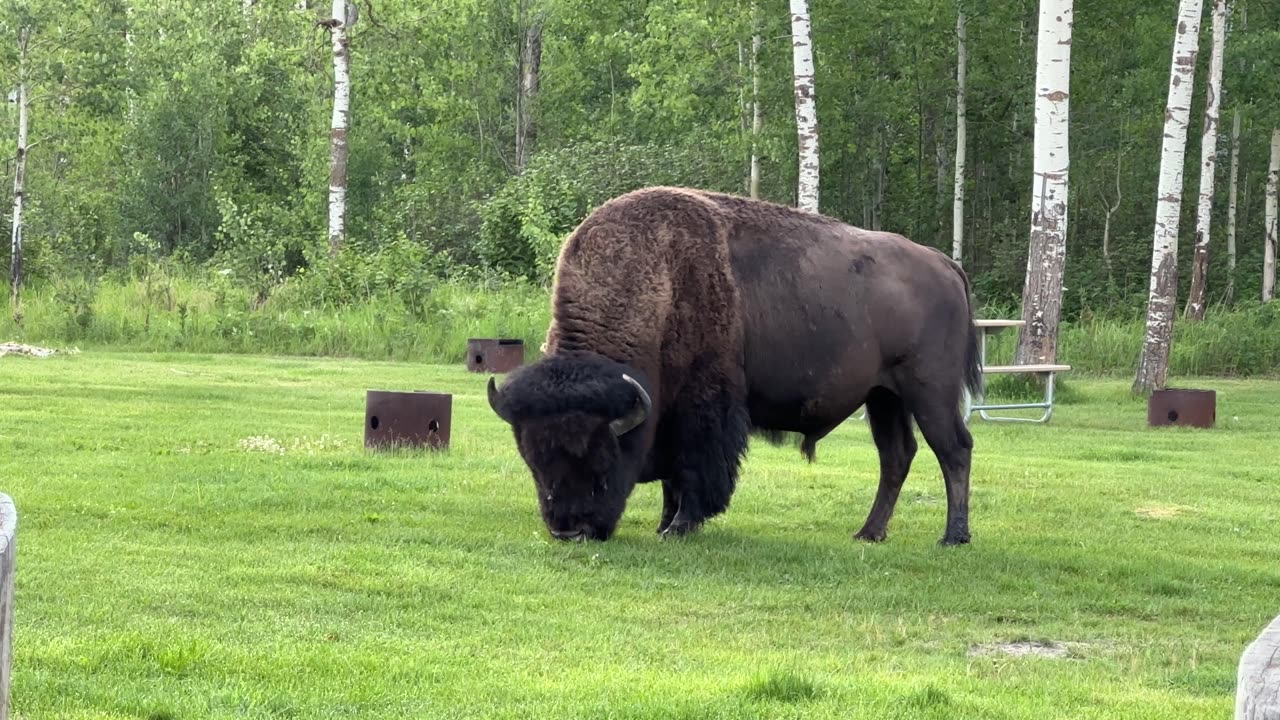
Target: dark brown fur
x=736, y=315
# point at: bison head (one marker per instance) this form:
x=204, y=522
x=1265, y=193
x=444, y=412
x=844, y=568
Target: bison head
x=576, y=421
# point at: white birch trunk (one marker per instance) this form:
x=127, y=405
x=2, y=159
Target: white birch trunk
x=19, y=182
x=806, y=108
x=957, y=208
x=1153, y=365
x=1197, y=297
x=756, y=119
x=1272, y=221
x=1231, y=206
x=527, y=92
x=338, y=127
x=1047, y=256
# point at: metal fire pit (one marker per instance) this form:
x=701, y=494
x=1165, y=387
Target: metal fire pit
x=407, y=419
x=1194, y=408
x=495, y=355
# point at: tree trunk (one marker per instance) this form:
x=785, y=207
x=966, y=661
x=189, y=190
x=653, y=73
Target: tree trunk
x=1153, y=366
x=1231, y=207
x=19, y=182
x=957, y=209
x=756, y=119
x=1106, y=226
x=1047, y=257
x=806, y=109
x=530, y=74
x=1272, y=221
x=1196, y=298
x=338, y=127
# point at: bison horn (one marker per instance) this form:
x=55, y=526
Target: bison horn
x=495, y=400
x=636, y=415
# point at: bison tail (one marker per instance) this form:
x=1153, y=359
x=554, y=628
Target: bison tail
x=973, y=379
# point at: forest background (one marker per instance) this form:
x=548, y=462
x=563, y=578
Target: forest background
x=178, y=159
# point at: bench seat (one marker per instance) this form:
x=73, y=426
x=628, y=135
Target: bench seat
x=1007, y=369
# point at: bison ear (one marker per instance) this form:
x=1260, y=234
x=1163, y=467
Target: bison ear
x=636, y=415
x=495, y=401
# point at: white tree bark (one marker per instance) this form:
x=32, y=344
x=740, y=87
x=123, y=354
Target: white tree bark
x=527, y=92
x=1106, y=225
x=1197, y=297
x=1153, y=365
x=338, y=126
x=957, y=208
x=19, y=181
x=1272, y=220
x=1047, y=257
x=756, y=119
x=1231, y=206
x=806, y=107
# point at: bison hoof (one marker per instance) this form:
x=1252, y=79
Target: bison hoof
x=679, y=529
x=866, y=535
x=957, y=539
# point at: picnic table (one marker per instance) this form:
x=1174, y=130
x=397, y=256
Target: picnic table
x=992, y=327
x=995, y=326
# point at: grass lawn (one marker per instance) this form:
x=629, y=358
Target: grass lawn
x=171, y=568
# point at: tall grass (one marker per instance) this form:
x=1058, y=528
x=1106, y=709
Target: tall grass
x=197, y=318
x=197, y=315
x=1234, y=343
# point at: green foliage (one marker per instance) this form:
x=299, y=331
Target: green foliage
x=204, y=127
x=526, y=221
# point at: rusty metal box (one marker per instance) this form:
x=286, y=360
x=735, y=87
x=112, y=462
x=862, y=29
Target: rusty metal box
x=494, y=355
x=407, y=419
x=1194, y=408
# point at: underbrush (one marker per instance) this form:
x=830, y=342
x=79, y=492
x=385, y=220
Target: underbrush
x=430, y=320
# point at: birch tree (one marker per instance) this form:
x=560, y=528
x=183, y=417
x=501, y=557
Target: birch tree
x=338, y=26
x=1153, y=365
x=1231, y=206
x=753, y=185
x=806, y=108
x=530, y=66
x=1046, y=260
x=1196, y=298
x=957, y=208
x=1272, y=221
x=19, y=179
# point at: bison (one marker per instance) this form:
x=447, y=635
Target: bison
x=686, y=320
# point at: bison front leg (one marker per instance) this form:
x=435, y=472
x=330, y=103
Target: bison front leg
x=670, y=504
x=682, y=511
x=712, y=439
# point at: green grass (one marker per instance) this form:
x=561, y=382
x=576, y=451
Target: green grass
x=165, y=571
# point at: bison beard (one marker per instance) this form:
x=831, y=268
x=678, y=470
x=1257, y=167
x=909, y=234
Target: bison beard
x=683, y=320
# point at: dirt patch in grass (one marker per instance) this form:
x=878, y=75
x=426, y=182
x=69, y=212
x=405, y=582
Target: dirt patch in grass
x=1160, y=511
x=1023, y=648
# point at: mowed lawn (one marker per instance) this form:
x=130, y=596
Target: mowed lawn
x=173, y=563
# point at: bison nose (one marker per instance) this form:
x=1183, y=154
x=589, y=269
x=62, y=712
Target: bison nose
x=578, y=534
